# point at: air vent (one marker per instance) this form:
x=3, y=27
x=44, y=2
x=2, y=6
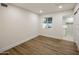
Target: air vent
x=4, y=5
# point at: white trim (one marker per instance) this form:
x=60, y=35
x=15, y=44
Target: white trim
x=16, y=43
x=57, y=37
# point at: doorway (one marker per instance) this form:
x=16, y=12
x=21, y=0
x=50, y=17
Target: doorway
x=68, y=27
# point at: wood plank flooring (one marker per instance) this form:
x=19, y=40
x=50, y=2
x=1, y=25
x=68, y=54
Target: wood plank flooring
x=42, y=45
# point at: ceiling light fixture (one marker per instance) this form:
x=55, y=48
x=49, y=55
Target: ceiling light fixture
x=60, y=6
x=41, y=11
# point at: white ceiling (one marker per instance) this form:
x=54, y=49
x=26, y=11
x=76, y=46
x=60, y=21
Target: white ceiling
x=46, y=7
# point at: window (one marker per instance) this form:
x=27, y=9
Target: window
x=47, y=22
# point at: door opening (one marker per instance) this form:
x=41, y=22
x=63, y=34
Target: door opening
x=68, y=27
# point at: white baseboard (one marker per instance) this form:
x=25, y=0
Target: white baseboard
x=51, y=36
x=16, y=44
x=56, y=37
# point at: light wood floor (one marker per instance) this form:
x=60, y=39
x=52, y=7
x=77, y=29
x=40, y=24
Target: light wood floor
x=45, y=46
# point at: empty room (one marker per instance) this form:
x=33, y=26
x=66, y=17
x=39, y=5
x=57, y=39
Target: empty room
x=39, y=29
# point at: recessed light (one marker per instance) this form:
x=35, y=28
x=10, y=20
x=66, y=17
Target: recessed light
x=41, y=11
x=60, y=6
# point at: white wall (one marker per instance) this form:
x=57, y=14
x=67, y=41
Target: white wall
x=16, y=26
x=76, y=26
x=57, y=30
